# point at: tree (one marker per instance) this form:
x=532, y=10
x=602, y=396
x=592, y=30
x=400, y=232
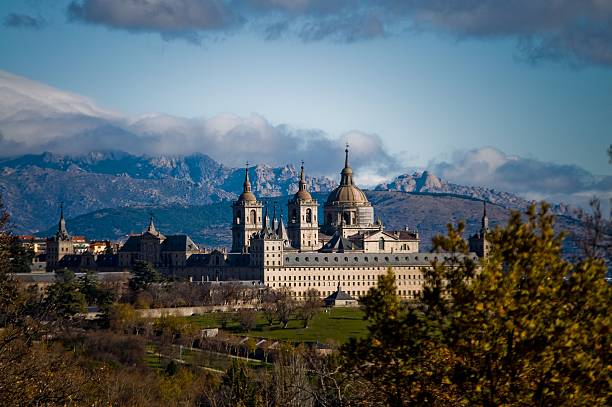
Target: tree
x=121, y=317
x=144, y=274
x=523, y=327
x=285, y=305
x=247, y=318
x=595, y=239
x=94, y=292
x=64, y=294
x=310, y=306
x=268, y=306
x=14, y=258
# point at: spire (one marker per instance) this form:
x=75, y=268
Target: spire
x=247, y=182
x=302, y=178
x=151, y=229
x=346, y=156
x=274, y=220
x=347, y=172
x=266, y=220
x=62, y=233
x=247, y=195
x=282, y=232
x=302, y=194
x=484, y=226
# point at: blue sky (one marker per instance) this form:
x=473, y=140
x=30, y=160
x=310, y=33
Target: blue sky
x=429, y=85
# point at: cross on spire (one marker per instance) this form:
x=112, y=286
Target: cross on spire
x=346, y=151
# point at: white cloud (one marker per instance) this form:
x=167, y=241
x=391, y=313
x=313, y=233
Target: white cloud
x=528, y=177
x=36, y=118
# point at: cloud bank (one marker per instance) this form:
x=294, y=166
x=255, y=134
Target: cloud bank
x=36, y=118
x=528, y=177
x=579, y=32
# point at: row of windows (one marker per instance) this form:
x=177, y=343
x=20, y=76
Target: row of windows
x=301, y=269
x=342, y=277
x=366, y=259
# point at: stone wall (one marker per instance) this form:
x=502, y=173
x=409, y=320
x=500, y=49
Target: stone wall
x=188, y=311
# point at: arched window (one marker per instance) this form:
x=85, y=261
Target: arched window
x=308, y=215
x=347, y=218
x=381, y=244
x=293, y=215
x=253, y=216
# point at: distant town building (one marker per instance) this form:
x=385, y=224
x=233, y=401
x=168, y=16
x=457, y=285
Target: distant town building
x=165, y=252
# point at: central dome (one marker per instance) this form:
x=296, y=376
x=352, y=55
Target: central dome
x=347, y=192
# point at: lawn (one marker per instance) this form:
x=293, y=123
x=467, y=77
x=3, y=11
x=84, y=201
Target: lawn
x=336, y=326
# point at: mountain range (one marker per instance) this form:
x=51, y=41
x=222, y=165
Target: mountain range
x=194, y=191
x=33, y=185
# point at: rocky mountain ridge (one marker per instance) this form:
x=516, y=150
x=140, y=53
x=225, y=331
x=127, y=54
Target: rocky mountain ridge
x=32, y=185
x=425, y=182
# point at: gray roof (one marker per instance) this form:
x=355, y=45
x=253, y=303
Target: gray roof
x=339, y=244
x=173, y=243
x=320, y=259
x=339, y=295
x=204, y=259
x=131, y=245
x=178, y=243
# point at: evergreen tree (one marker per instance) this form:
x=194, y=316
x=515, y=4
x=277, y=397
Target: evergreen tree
x=64, y=294
x=143, y=275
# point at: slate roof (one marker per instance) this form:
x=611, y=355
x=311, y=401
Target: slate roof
x=204, y=259
x=178, y=243
x=339, y=295
x=339, y=244
x=131, y=245
x=322, y=259
x=173, y=243
x=399, y=234
x=107, y=260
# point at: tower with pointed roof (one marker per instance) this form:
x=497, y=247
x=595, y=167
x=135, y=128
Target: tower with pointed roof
x=347, y=210
x=247, y=217
x=303, y=226
x=478, y=242
x=60, y=244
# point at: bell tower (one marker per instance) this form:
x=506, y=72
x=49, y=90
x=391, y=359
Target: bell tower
x=303, y=226
x=59, y=245
x=246, y=217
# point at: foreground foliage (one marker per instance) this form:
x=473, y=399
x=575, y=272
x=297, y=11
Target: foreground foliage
x=528, y=328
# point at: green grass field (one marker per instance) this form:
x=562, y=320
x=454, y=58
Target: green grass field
x=337, y=326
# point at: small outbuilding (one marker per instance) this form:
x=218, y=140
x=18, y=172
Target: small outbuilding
x=340, y=298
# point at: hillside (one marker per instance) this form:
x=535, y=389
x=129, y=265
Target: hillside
x=426, y=182
x=210, y=224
